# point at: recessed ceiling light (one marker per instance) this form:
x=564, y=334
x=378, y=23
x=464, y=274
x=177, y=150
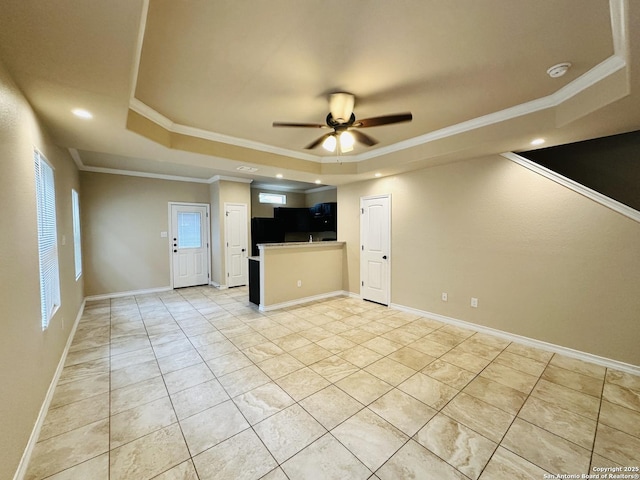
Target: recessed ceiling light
x=537, y=141
x=82, y=113
x=378, y=175
x=279, y=175
x=318, y=182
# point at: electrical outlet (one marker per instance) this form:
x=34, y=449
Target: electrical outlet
x=445, y=296
x=474, y=302
x=299, y=283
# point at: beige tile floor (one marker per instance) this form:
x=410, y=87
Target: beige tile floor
x=197, y=384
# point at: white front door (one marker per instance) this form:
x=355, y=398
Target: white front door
x=375, y=251
x=189, y=244
x=235, y=228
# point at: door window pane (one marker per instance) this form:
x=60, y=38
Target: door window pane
x=189, y=230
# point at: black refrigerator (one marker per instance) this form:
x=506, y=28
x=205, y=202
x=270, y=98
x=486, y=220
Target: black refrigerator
x=265, y=230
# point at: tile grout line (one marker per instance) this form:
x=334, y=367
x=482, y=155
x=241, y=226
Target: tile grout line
x=251, y=322
x=515, y=417
x=231, y=400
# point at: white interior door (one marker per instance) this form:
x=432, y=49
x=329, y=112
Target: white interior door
x=375, y=248
x=189, y=244
x=236, y=235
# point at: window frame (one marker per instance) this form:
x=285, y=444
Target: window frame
x=47, y=236
x=281, y=196
x=77, y=233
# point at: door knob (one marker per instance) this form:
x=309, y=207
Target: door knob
x=175, y=251
x=384, y=257
x=244, y=249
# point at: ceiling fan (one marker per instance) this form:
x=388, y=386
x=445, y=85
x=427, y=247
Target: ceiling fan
x=345, y=126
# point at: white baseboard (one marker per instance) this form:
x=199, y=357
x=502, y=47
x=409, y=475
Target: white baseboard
x=352, y=295
x=130, y=293
x=298, y=301
x=530, y=342
x=35, y=433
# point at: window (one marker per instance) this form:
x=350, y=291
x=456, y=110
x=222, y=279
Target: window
x=77, y=243
x=276, y=198
x=47, y=239
x=189, y=230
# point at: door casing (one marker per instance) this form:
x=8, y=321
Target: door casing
x=236, y=244
x=383, y=296
x=207, y=234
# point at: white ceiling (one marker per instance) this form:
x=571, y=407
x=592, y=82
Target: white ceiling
x=191, y=88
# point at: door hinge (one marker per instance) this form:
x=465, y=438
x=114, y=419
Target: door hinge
x=362, y=211
x=363, y=248
x=363, y=283
x=226, y=214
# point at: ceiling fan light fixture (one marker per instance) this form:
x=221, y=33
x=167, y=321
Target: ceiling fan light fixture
x=346, y=142
x=330, y=143
x=341, y=106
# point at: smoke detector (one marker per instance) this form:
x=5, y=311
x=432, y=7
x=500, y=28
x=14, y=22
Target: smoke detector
x=558, y=70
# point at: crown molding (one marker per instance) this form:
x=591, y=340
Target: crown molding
x=320, y=189
x=618, y=14
x=619, y=29
x=598, y=73
x=618, y=11
x=218, y=178
x=593, y=76
x=156, y=117
x=138, y=53
x=76, y=158
x=160, y=176
x=132, y=173
x=241, y=142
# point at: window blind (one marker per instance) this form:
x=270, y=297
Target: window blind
x=47, y=239
x=77, y=243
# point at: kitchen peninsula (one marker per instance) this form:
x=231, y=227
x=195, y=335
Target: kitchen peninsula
x=285, y=274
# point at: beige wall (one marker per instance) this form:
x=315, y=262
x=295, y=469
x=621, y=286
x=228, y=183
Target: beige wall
x=220, y=192
x=318, y=267
x=324, y=196
x=122, y=218
x=544, y=261
x=217, y=222
x=29, y=356
x=265, y=210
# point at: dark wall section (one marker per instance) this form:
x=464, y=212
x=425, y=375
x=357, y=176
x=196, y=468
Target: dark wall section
x=608, y=165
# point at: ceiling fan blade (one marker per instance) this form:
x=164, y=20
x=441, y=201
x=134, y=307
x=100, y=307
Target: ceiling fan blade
x=305, y=125
x=318, y=141
x=384, y=120
x=363, y=138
